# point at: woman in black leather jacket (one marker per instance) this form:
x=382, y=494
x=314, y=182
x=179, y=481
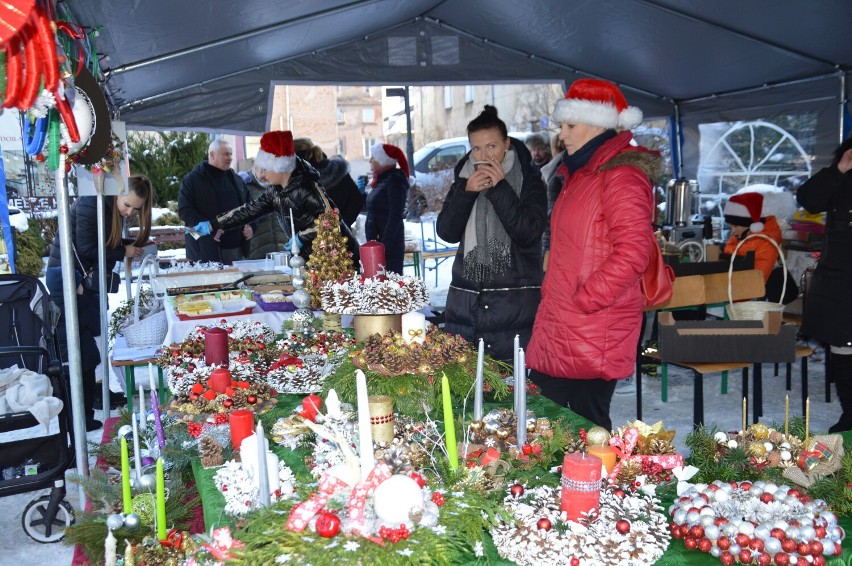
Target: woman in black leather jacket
x=293, y=186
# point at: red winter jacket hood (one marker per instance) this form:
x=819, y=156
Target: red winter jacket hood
x=590, y=315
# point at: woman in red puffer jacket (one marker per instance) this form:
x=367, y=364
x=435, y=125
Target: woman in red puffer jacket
x=588, y=324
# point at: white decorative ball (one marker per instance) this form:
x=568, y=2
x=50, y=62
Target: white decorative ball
x=746, y=528
x=785, y=455
x=827, y=546
x=395, y=497
x=785, y=445
x=733, y=444
x=711, y=531
x=807, y=533
x=773, y=545
x=715, y=551
x=722, y=496
x=720, y=437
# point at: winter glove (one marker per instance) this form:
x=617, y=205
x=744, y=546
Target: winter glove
x=289, y=245
x=203, y=228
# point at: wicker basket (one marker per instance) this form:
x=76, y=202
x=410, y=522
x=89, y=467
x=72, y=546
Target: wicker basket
x=146, y=328
x=754, y=310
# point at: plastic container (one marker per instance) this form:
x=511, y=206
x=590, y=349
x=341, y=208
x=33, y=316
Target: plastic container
x=278, y=306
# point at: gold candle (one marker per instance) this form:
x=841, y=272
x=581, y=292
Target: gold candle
x=786, y=417
x=807, y=422
x=745, y=413
x=381, y=417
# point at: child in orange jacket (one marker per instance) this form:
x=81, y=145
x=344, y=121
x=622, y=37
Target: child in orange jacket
x=744, y=213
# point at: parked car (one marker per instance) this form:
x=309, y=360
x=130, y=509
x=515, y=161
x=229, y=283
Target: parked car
x=434, y=164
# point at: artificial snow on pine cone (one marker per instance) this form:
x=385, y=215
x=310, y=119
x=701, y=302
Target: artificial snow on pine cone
x=396, y=294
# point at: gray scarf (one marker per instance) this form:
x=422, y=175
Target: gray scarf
x=487, y=246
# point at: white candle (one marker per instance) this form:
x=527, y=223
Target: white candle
x=152, y=383
x=332, y=405
x=262, y=470
x=413, y=327
x=137, y=456
x=365, y=434
x=516, y=346
x=295, y=249
x=477, y=390
x=110, y=557
x=521, y=412
x=248, y=455
x=143, y=414
x=272, y=472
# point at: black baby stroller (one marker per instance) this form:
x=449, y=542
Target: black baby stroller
x=27, y=340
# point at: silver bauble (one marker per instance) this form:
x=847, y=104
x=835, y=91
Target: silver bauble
x=132, y=521
x=147, y=483
x=126, y=431
x=115, y=521
x=301, y=298
x=297, y=262
x=298, y=279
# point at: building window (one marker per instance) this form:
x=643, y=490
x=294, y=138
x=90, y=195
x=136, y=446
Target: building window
x=448, y=97
x=368, y=114
x=368, y=143
x=341, y=146
x=468, y=94
x=341, y=116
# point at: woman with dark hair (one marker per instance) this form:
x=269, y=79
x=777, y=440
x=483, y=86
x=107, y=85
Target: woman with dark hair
x=590, y=316
x=334, y=178
x=84, y=241
x=386, y=202
x=496, y=210
x=828, y=302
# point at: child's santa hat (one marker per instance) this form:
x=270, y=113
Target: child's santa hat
x=745, y=209
x=276, y=152
x=386, y=155
x=597, y=103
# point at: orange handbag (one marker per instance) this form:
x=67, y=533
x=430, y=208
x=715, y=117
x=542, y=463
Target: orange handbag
x=656, y=281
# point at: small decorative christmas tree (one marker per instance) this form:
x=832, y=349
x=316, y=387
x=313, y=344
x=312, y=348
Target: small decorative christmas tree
x=330, y=259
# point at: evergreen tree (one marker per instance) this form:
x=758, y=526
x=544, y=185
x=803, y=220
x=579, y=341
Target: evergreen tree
x=165, y=157
x=330, y=260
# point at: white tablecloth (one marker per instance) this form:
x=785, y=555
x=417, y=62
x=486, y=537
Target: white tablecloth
x=178, y=329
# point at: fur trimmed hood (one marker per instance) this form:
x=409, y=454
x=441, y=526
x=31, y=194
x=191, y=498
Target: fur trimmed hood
x=648, y=161
x=332, y=171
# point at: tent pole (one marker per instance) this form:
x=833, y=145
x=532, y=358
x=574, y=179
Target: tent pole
x=842, y=106
x=678, y=141
x=72, y=331
x=104, y=306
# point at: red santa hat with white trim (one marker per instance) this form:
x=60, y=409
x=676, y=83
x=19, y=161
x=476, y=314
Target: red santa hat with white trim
x=386, y=155
x=745, y=209
x=276, y=152
x=596, y=102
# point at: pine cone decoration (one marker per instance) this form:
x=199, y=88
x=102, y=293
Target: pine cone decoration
x=658, y=447
x=629, y=470
x=398, y=458
x=210, y=452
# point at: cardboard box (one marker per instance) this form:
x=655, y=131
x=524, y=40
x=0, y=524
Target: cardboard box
x=707, y=341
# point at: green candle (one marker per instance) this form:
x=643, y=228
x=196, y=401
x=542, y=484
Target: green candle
x=125, y=477
x=449, y=424
x=161, y=501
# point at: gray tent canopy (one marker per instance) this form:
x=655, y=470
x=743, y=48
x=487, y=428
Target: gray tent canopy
x=211, y=65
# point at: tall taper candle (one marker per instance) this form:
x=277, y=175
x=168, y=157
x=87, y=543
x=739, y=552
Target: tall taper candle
x=745, y=413
x=143, y=413
x=365, y=432
x=807, y=422
x=262, y=470
x=449, y=424
x=137, y=458
x=125, y=478
x=158, y=422
x=786, y=417
x=295, y=249
x=521, y=415
x=515, y=347
x=477, y=391
x=152, y=383
x=160, y=501
x=110, y=557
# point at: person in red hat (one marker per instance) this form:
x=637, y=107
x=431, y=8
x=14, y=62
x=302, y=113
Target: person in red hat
x=588, y=324
x=386, y=202
x=495, y=210
x=744, y=212
x=293, y=188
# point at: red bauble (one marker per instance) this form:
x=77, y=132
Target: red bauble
x=727, y=558
x=251, y=399
x=526, y=449
x=622, y=526
x=788, y=545
x=820, y=532
x=193, y=396
x=675, y=530
x=742, y=540
x=63, y=148
x=819, y=561
x=724, y=543
x=720, y=521
x=794, y=493
x=690, y=543
x=816, y=548
x=704, y=545
x=544, y=524
x=40, y=157
x=684, y=530
x=745, y=556
x=696, y=531
x=782, y=559
x=618, y=492
x=778, y=533
x=516, y=490
x=764, y=559
x=228, y=403
x=421, y=481
x=328, y=525
x=803, y=548
x=756, y=545
x=575, y=561
x=767, y=497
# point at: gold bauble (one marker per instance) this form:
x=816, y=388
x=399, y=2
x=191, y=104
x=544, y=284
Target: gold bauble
x=756, y=449
x=597, y=436
x=760, y=430
x=502, y=433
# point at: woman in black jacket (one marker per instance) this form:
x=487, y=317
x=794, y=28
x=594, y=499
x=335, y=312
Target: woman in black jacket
x=293, y=186
x=84, y=239
x=386, y=202
x=497, y=210
x=828, y=303
x=334, y=178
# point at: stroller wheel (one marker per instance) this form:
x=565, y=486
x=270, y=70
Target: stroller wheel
x=36, y=522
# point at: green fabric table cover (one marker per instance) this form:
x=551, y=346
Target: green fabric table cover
x=214, y=503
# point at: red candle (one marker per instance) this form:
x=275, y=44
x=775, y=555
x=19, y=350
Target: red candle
x=216, y=347
x=242, y=425
x=373, y=260
x=220, y=380
x=581, y=485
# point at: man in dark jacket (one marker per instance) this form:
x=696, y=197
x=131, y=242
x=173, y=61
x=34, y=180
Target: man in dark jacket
x=210, y=189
